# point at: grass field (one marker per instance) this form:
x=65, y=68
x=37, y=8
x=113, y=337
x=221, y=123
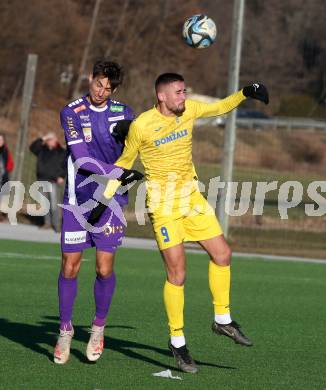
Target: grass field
x=281, y=306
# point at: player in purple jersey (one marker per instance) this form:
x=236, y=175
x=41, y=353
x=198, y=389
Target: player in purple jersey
x=94, y=126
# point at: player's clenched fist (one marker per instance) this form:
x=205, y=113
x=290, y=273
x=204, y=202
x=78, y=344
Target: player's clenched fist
x=257, y=91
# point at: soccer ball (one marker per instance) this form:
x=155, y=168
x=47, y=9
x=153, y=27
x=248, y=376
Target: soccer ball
x=199, y=31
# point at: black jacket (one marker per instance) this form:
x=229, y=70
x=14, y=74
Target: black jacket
x=50, y=162
x=6, y=164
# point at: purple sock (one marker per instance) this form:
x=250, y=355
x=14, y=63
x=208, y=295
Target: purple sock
x=67, y=291
x=103, y=293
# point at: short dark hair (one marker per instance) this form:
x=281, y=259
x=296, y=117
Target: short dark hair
x=167, y=78
x=112, y=70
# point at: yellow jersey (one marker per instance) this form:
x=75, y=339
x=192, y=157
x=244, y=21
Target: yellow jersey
x=164, y=144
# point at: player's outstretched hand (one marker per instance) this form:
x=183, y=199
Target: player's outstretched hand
x=257, y=91
x=130, y=175
x=120, y=130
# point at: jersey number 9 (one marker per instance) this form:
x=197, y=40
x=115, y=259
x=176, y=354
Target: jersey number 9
x=165, y=234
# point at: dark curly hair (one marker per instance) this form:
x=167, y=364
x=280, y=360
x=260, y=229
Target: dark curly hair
x=112, y=70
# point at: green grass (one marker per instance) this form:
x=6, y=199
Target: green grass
x=279, y=304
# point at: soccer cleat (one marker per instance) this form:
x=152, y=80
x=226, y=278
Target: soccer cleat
x=62, y=348
x=95, y=345
x=233, y=331
x=184, y=361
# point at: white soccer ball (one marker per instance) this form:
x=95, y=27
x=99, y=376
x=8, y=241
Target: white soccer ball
x=199, y=31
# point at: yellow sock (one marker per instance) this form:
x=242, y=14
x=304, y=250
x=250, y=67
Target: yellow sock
x=219, y=283
x=174, y=301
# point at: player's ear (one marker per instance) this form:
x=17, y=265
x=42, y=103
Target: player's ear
x=90, y=78
x=161, y=96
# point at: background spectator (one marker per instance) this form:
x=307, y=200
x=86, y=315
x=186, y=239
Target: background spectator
x=6, y=166
x=50, y=167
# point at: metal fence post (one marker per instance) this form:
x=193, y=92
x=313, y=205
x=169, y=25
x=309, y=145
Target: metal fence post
x=230, y=129
x=28, y=91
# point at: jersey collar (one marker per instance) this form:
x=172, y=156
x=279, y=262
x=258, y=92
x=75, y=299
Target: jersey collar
x=94, y=108
x=98, y=109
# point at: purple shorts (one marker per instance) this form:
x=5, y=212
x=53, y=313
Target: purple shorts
x=75, y=238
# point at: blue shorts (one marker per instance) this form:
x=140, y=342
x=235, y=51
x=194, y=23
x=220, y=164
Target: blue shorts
x=75, y=238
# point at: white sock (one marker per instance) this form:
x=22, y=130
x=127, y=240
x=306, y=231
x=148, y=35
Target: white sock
x=178, y=341
x=223, y=319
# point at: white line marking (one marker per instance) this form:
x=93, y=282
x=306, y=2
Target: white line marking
x=150, y=244
x=9, y=255
x=263, y=257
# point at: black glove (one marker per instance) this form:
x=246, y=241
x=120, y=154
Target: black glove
x=129, y=175
x=96, y=213
x=256, y=91
x=120, y=130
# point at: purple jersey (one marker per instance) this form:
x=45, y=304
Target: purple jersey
x=88, y=135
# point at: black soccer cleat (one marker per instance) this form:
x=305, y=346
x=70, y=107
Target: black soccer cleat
x=233, y=331
x=184, y=361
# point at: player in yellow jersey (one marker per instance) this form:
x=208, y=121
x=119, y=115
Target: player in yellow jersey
x=163, y=138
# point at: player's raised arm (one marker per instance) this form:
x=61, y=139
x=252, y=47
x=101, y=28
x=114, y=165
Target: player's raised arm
x=77, y=146
x=255, y=91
